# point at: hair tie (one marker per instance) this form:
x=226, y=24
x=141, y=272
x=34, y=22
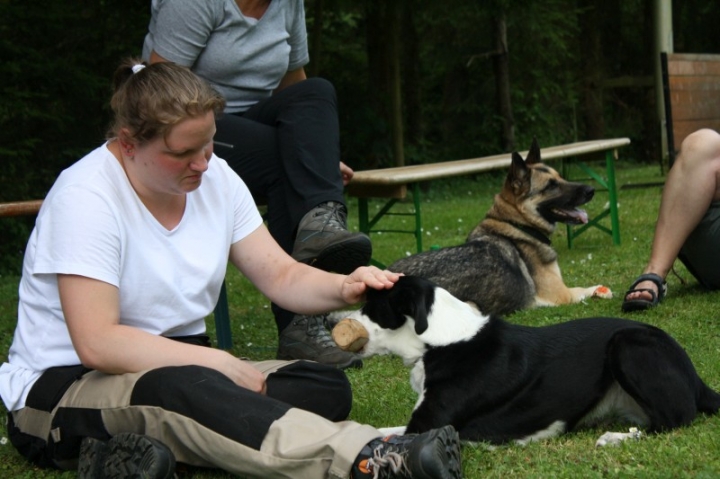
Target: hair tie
x=138, y=67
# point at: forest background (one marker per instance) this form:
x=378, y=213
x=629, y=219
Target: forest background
x=417, y=80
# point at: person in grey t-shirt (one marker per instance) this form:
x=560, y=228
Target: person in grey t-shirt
x=279, y=132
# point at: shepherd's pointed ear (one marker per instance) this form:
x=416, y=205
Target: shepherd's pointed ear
x=517, y=161
x=518, y=178
x=533, y=156
x=518, y=170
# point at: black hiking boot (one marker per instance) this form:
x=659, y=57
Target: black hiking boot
x=307, y=337
x=323, y=240
x=434, y=454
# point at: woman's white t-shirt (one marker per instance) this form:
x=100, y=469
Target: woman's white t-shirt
x=93, y=224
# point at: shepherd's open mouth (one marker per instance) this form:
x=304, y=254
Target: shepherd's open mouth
x=575, y=216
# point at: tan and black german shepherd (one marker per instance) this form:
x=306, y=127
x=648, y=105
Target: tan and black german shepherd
x=508, y=262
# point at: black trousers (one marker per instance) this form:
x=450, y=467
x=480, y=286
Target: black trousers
x=699, y=254
x=287, y=150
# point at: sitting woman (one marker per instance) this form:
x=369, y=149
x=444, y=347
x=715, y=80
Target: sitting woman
x=110, y=369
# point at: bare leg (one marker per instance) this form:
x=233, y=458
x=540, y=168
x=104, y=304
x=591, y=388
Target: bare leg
x=692, y=184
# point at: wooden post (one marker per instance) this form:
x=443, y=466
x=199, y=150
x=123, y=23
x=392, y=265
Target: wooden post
x=502, y=84
x=663, y=43
x=394, y=19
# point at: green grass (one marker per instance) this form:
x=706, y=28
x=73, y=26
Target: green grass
x=382, y=396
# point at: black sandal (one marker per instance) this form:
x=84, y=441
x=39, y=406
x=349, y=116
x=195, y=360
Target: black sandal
x=643, y=304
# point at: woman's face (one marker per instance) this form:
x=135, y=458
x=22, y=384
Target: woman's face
x=175, y=164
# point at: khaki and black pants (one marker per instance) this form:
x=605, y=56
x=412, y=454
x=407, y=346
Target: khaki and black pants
x=295, y=431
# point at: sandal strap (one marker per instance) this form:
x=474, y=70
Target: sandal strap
x=652, y=293
x=659, y=282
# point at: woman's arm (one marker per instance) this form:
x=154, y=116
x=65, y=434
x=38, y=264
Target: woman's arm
x=155, y=58
x=296, y=286
x=291, y=77
x=92, y=313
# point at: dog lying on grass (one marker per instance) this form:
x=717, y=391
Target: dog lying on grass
x=508, y=262
x=498, y=382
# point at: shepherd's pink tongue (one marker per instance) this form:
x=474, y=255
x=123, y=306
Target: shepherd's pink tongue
x=581, y=215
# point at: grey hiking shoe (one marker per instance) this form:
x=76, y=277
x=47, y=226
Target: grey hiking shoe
x=324, y=241
x=125, y=456
x=434, y=454
x=307, y=337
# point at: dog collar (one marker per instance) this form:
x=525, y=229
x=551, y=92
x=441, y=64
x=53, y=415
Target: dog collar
x=534, y=232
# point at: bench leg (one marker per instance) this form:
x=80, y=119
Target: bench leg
x=612, y=210
x=612, y=194
x=366, y=224
x=418, y=217
x=363, y=216
x=222, y=320
x=570, y=236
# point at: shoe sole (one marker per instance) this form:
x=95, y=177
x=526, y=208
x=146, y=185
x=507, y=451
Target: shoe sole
x=343, y=257
x=125, y=456
x=446, y=450
x=633, y=305
x=353, y=363
x=451, y=444
x=92, y=457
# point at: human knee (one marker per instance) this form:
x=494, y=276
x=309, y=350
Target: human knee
x=700, y=146
x=314, y=387
x=318, y=87
x=173, y=383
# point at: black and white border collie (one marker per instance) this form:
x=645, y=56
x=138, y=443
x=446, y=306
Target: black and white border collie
x=498, y=382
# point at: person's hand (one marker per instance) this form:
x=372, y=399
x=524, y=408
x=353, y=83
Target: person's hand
x=357, y=282
x=346, y=172
x=244, y=374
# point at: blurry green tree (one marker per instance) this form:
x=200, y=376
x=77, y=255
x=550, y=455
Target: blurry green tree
x=417, y=80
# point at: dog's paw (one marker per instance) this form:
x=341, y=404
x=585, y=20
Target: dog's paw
x=615, y=438
x=602, y=292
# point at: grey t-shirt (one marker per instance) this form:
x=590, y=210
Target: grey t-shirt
x=242, y=57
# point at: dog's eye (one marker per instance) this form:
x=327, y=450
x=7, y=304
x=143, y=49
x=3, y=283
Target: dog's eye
x=551, y=185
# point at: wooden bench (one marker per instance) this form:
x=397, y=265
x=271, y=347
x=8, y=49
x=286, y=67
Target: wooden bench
x=393, y=184
x=691, y=90
x=221, y=313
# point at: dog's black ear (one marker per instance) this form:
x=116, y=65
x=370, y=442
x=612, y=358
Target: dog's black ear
x=421, y=316
x=377, y=307
x=412, y=296
x=533, y=156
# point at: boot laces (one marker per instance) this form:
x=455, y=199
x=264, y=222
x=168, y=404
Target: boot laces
x=387, y=462
x=334, y=215
x=316, y=329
